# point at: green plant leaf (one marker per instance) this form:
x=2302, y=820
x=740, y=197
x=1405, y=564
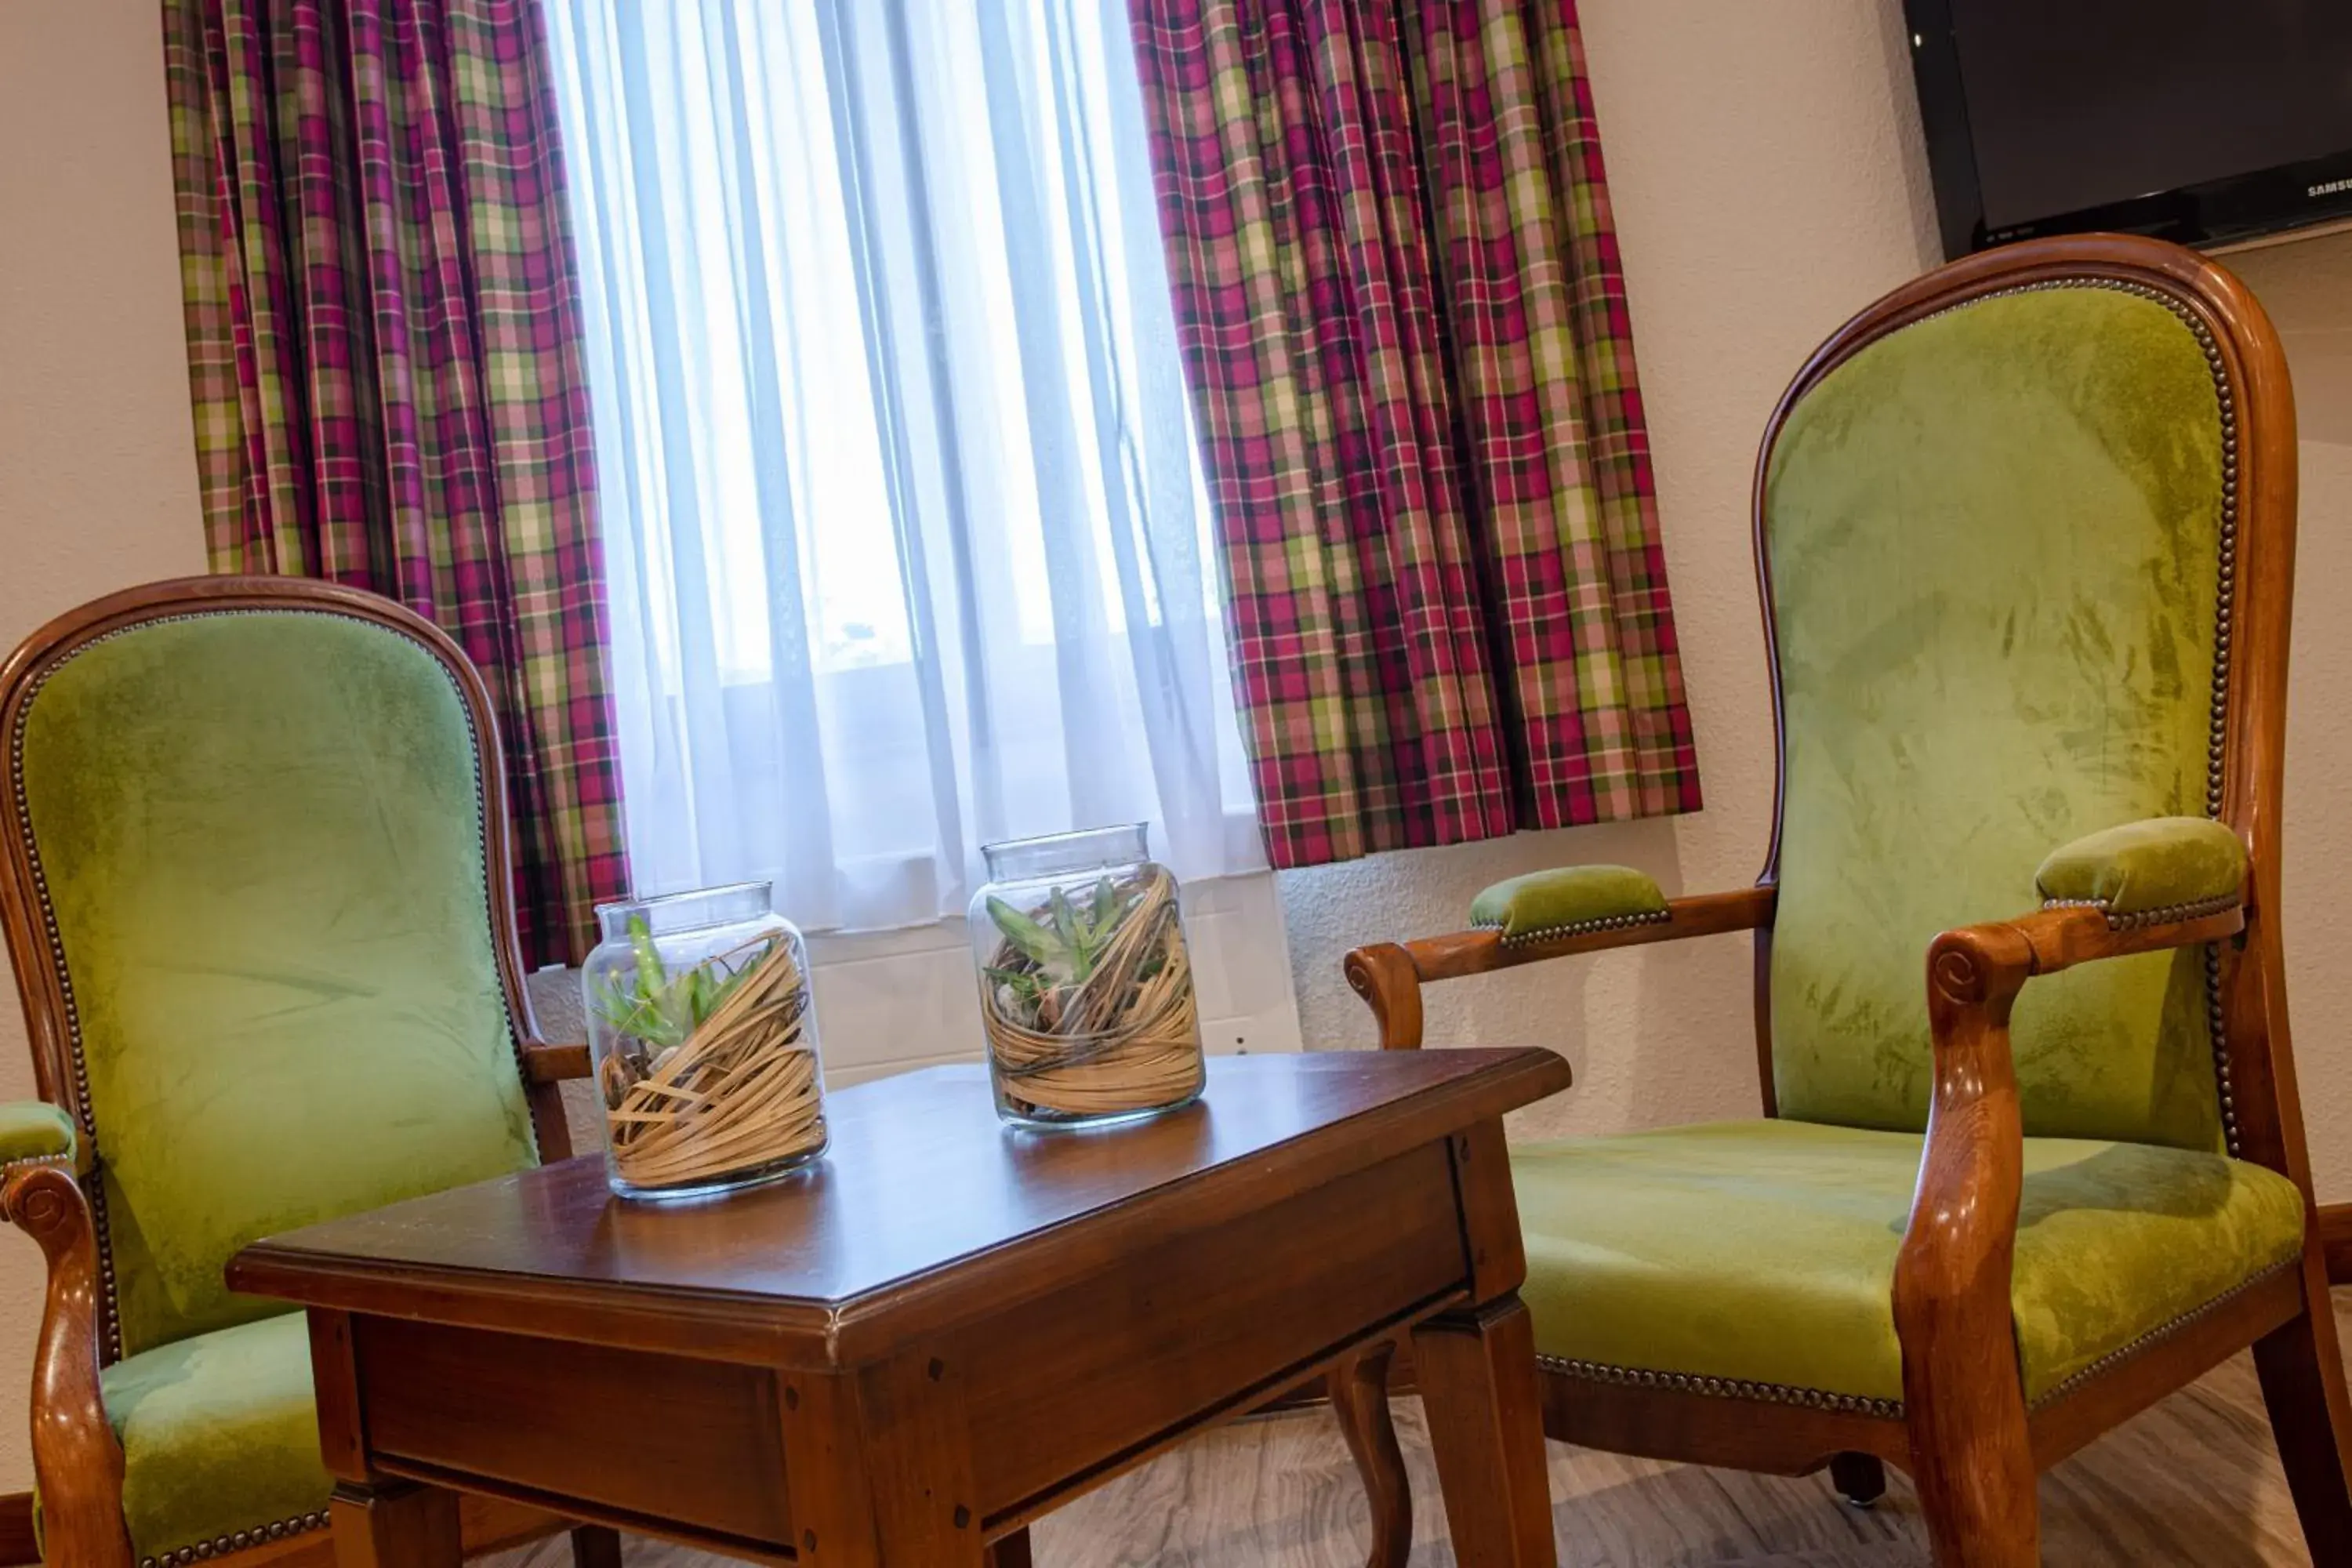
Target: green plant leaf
x=651, y=975
x=1035, y=942
x=1066, y=921
x=662, y=1010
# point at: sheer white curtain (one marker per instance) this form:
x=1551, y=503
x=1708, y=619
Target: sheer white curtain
x=905, y=537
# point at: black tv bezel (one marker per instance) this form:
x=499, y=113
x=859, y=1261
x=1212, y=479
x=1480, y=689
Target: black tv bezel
x=2264, y=202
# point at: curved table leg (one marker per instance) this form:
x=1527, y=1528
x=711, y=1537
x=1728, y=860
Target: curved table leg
x=1360, y=1397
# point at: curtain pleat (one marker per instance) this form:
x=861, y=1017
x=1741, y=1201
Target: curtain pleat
x=383, y=345
x=1404, y=323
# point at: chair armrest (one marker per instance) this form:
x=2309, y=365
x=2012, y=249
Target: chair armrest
x=1388, y=975
x=35, y=1132
x=2164, y=869
x=1952, y=1275
x=1572, y=900
x=76, y=1459
x=546, y=1063
x=1974, y=976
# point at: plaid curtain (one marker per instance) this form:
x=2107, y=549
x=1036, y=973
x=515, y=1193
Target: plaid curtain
x=1404, y=323
x=384, y=348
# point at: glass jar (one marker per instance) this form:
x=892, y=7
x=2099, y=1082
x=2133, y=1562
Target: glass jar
x=704, y=1031
x=1085, y=989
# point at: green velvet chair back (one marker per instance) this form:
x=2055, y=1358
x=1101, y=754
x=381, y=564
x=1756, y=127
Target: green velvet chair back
x=1998, y=539
x=255, y=902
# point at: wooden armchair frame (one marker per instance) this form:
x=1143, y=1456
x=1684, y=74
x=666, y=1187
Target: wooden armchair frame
x=1964, y=1431
x=76, y=1460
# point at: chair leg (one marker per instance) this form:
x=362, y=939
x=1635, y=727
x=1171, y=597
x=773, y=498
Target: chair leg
x=1359, y=1398
x=595, y=1546
x=2302, y=1372
x=1860, y=1479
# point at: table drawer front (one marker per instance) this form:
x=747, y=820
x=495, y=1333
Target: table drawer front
x=696, y=1444
x=1069, y=1384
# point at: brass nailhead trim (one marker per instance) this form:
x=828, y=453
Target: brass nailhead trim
x=2164, y=914
x=1576, y=928
x=1725, y=1388
x=2215, y=1025
x=223, y=1544
x=2216, y=739
x=2147, y=1341
x=110, y=1315
x=2225, y=591
x=94, y=1189
x=1890, y=1409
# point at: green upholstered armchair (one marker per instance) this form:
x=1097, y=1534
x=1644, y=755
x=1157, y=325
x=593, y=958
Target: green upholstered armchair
x=253, y=876
x=2032, y=1155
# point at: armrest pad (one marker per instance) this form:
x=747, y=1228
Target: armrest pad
x=2168, y=865
x=35, y=1130
x=1568, y=902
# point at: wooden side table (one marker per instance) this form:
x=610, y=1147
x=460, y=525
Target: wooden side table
x=901, y=1357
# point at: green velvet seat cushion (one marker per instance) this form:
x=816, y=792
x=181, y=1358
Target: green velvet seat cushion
x=1994, y=539
x=1557, y=903
x=219, y=1435
x=261, y=835
x=1764, y=1251
x=34, y=1129
x=2168, y=862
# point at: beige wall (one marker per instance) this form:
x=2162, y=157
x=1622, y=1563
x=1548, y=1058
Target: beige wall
x=2307, y=287
x=98, y=477
x=1768, y=181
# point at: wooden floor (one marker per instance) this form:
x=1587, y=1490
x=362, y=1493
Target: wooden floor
x=2194, y=1481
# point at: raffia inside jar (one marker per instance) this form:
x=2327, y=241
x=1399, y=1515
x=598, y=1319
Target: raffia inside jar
x=740, y=1093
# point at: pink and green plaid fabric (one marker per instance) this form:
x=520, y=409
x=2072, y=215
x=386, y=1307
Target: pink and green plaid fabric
x=384, y=350
x=1404, y=323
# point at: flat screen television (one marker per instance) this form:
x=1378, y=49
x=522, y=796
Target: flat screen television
x=2205, y=122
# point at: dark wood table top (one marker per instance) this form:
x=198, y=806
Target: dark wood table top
x=926, y=1209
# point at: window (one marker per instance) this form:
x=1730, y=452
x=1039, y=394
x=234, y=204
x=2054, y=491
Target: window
x=906, y=545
